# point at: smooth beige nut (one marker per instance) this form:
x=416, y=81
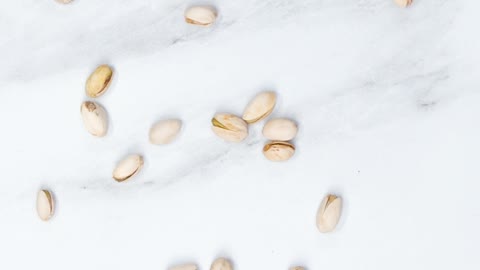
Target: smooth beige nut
x=278, y=151
x=128, y=167
x=165, y=131
x=297, y=268
x=403, y=3
x=45, y=204
x=201, y=15
x=329, y=213
x=260, y=107
x=95, y=118
x=229, y=127
x=221, y=264
x=99, y=81
x=190, y=266
x=280, y=129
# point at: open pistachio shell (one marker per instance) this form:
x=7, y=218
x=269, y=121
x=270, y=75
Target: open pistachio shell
x=260, y=107
x=221, y=264
x=329, y=213
x=229, y=127
x=45, y=204
x=127, y=168
x=99, y=81
x=278, y=151
x=95, y=118
x=201, y=15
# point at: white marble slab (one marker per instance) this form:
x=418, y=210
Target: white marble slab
x=387, y=101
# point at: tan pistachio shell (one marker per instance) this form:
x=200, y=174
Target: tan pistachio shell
x=229, y=127
x=95, y=118
x=188, y=266
x=329, y=213
x=278, y=151
x=165, y=131
x=99, y=81
x=260, y=107
x=403, y=3
x=201, y=15
x=221, y=264
x=280, y=129
x=45, y=204
x=127, y=168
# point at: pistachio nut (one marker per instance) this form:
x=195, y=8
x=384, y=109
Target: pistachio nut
x=260, y=107
x=128, y=167
x=329, y=213
x=221, y=264
x=280, y=129
x=229, y=127
x=45, y=204
x=99, y=81
x=165, y=131
x=201, y=15
x=278, y=151
x=189, y=266
x=403, y=3
x=95, y=118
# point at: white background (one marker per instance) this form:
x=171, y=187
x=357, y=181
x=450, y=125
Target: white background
x=387, y=101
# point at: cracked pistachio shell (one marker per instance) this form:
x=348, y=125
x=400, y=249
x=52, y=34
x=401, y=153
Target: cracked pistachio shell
x=95, y=118
x=329, y=213
x=278, y=151
x=221, y=264
x=201, y=15
x=403, y=3
x=260, y=107
x=45, y=204
x=189, y=266
x=297, y=268
x=99, y=81
x=127, y=168
x=229, y=127
x=165, y=131
x=280, y=129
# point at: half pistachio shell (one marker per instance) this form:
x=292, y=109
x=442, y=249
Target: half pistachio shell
x=127, y=168
x=189, y=266
x=221, y=264
x=280, y=129
x=201, y=15
x=278, y=151
x=45, y=204
x=403, y=3
x=260, y=107
x=229, y=127
x=165, y=131
x=94, y=118
x=99, y=81
x=329, y=213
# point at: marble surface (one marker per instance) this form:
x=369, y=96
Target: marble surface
x=387, y=101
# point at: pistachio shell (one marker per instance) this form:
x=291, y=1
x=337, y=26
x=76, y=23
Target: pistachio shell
x=45, y=204
x=278, y=151
x=329, y=213
x=94, y=118
x=165, y=131
x=403, y=3
x=260, y=107
x=128, y=167
x=201, y=15
x=221, y=264
x=229, y=127
x=99, y=81
x=189, y=266
x=280, y=129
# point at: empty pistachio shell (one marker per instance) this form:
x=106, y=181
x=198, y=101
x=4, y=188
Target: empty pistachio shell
x=99, y=81
x=278, y=151
x=329, y=213
x=165, y=131
x=229, y=127
x=280, y=129
x=45, y=204
x=221, y=264
x=94, y=118
x=200, y=15
x=403, y=3
x=190, y=266
x=128, y=167
x=260, y=107
x=297, y=268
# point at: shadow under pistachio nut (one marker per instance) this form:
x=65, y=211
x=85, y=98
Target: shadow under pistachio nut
x=201, y=15
x=95, y=118
x=221, y=264
x=403, y=3
x=127, y=168
x=165, y=131
x=329, y=213
x=229, y=127
x=260, y=107
x=99, y=81
x=45, y=204
x=189, y=266
x=278, y=151
x=280, y=129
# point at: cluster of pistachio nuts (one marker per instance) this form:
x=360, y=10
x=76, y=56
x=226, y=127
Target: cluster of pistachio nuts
x=279, y=131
